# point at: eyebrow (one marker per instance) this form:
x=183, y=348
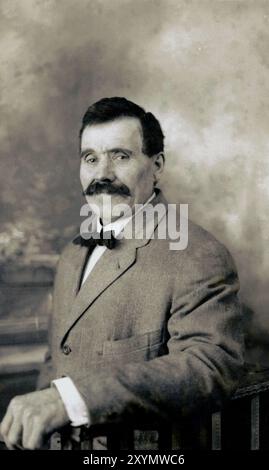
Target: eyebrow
x=85, y=152
x=114, y=149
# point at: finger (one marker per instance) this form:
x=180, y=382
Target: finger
x=15, y=433
x=27, y=425
x=33, y=434
x=12, y=447
x=6, y=423
x=8, y=444
x=35, y=440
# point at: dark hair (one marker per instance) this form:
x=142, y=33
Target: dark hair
x=108, y=109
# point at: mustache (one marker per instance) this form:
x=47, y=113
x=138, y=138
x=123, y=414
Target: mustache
x=107, y=188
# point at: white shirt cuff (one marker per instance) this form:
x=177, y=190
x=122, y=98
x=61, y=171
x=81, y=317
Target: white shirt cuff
x=73, y=401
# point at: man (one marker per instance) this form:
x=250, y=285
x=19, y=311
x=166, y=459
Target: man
x=139, y=331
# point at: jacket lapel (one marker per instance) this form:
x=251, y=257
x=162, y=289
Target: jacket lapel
x=111, y=265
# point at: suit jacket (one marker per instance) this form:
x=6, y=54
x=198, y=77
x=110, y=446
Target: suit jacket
x=152, y=332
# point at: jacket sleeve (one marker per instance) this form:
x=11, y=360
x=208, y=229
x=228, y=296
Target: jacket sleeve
x=204, y=358
x=46, y=368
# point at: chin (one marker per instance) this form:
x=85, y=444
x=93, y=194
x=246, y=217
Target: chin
x=106, y=206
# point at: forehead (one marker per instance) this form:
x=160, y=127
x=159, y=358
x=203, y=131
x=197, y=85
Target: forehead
x=124, y=132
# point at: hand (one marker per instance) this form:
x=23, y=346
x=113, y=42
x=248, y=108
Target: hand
x=31, y=418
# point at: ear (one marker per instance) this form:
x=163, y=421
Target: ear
x=159, y=161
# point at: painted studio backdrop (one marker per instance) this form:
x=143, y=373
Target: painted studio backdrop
x=201, y=67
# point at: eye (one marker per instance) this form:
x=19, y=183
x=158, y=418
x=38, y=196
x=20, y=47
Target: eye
x=120, y=156
x=89, y=158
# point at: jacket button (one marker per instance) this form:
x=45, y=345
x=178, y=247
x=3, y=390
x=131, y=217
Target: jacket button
x=66, y=349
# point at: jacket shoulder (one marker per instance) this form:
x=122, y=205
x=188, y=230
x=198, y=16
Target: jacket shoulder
x=202, y=250
x=202, y=241
x=70, y=250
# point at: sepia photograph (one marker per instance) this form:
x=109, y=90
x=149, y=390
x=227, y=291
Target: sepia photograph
x=134, y=228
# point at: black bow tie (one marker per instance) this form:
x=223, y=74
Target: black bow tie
x=106, y=238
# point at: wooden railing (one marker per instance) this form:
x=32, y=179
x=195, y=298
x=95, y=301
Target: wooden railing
x=242, y=424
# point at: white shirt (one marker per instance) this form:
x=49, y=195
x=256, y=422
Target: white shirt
x=75, y=406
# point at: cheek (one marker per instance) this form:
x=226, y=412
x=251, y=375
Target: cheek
x=134, y=176
x=84, y=174
x=144, y=177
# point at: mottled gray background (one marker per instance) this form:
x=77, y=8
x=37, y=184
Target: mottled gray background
x=200, y=66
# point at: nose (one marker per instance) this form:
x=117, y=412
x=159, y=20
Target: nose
x=105, y=171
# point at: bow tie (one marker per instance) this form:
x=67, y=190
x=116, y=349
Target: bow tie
x=106, y=238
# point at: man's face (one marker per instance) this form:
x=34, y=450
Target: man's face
x=114, y=166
